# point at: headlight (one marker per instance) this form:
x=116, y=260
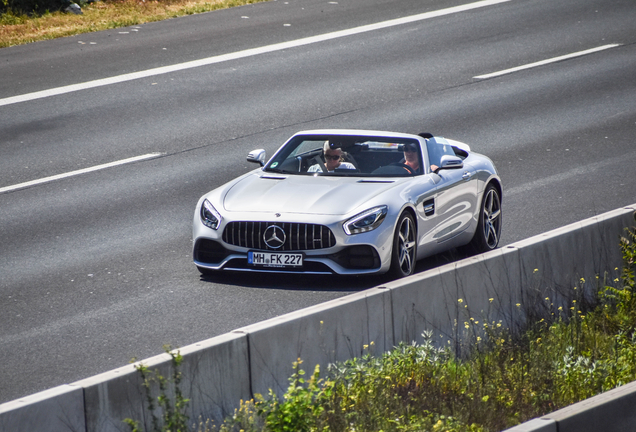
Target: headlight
x=209, y=216
x=365, y=221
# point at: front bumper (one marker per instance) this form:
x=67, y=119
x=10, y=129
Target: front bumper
x=355, y=259
x=328, y=251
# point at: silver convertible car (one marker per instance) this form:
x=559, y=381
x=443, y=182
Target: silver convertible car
x=350, y=202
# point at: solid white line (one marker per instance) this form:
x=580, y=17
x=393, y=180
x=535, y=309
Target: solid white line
x=548, y=61
x=78, y=172
x=245, y=53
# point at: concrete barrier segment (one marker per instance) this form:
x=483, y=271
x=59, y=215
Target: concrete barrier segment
x=456, y=300
x=606, y=230
x=536, y=425
x=417, y=306
x=113, y=396
x=334, y=331
x=612, y=411
x=54, y=410
x=214, y=377
x=563, y=264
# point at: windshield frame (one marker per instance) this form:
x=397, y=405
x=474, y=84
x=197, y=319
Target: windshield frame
x=370, y=149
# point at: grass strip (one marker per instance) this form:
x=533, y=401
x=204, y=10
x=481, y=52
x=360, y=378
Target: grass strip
x=18, y=29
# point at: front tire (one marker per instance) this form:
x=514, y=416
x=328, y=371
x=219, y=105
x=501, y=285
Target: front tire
x=489, y=227
x=404, y=247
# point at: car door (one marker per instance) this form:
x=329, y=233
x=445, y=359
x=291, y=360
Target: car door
x=454, y=202
x=447, y=200
x=452, y=206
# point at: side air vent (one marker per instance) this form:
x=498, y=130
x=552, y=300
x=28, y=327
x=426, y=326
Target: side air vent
x=429, y=207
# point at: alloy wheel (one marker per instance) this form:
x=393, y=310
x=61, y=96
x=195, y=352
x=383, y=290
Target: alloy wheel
x=406, y=246
x=492, y=218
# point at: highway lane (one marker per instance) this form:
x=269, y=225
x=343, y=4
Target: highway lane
x=96, y=269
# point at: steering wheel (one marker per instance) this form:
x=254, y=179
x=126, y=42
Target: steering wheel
x=405, y=166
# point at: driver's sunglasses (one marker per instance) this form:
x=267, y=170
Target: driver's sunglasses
x=332, y=157
x=410, y=148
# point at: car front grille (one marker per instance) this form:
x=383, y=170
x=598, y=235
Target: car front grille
x=297, y=236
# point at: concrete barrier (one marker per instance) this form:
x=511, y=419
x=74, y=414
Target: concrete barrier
x=504, y=285
x=552, y=264
x=113, y=396
x=536, y=425
x=333, y=331
x=612, y=411
x=510, y=284
x=444, y=299
x=215, y=377
x=57, y=409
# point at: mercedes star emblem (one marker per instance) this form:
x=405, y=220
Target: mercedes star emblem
x=274, y=237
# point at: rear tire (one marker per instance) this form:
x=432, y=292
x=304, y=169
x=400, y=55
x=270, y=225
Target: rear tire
x=404, y=247
x=486, y=237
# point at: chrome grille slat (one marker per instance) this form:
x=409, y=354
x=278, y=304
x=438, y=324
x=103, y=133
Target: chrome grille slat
x=299, y=236
x=313, y=237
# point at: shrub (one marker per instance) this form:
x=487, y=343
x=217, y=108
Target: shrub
x=31, y=7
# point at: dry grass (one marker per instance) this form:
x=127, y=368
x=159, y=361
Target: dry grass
x=101, y=15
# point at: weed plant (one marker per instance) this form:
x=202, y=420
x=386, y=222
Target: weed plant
x=507, y=377
x=173, y=409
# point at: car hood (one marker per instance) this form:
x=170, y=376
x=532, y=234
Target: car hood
x=302, y=194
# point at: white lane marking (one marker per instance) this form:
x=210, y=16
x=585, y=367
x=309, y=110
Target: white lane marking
x=548, y=61
x=245, y=53
x=78, y=172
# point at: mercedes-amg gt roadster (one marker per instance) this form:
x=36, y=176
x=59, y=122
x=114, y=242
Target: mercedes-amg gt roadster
x=350, y=202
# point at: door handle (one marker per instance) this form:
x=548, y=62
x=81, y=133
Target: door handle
x=467, y=176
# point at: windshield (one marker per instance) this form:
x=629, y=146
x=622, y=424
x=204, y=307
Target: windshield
x=339, y=155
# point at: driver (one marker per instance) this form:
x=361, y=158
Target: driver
x=333, y=160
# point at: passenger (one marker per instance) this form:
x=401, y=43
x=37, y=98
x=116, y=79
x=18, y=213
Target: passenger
x=333, y=160
x=411, y=158
x=433, y=158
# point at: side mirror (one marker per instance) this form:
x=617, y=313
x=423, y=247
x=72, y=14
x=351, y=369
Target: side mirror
x=257, y=156
x=451, y=162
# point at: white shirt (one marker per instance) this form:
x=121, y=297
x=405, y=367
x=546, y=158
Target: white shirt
x=343, y=165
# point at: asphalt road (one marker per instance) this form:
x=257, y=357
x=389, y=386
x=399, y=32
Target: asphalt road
x=95, y=268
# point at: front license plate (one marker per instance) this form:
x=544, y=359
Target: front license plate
x=274, y=259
